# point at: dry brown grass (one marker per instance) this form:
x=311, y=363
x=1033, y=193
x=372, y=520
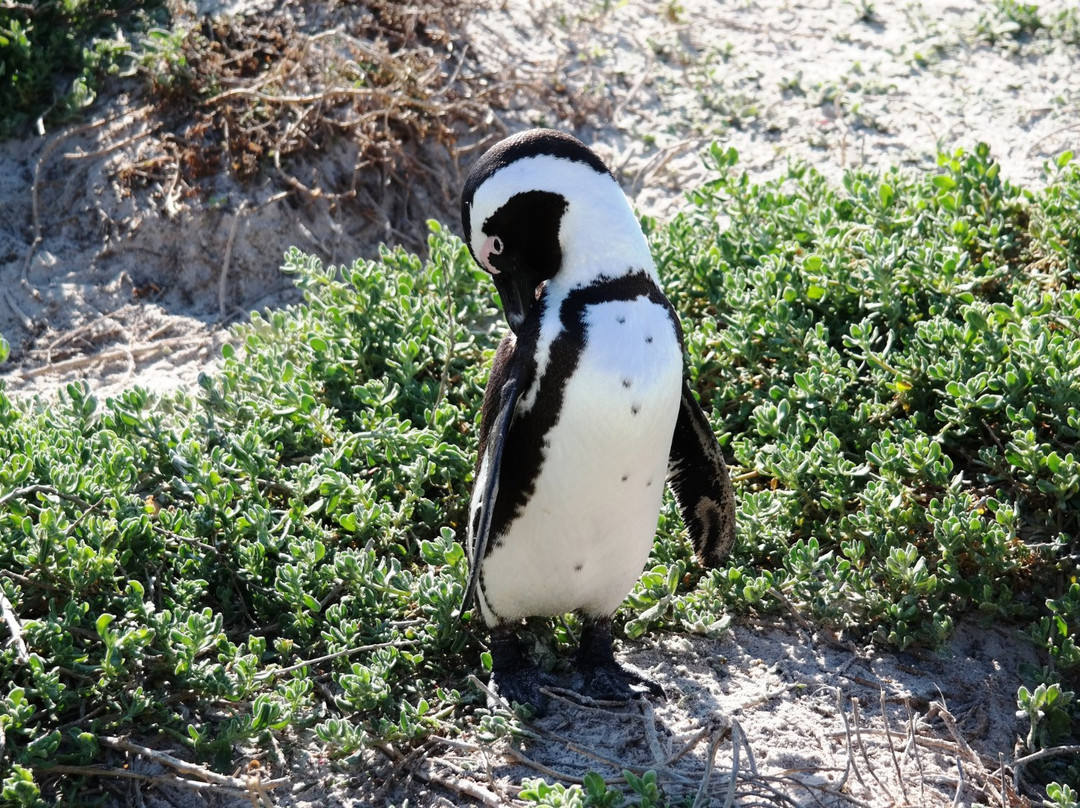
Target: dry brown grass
x=245, y=95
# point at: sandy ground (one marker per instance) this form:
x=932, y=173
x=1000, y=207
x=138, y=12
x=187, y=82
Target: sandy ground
x=769, y=714
x=120, y=287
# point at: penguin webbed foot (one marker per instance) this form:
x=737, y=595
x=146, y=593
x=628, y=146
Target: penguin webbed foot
x=524, y=686
x=514, y=677
x=615, y=682
x=603, y=678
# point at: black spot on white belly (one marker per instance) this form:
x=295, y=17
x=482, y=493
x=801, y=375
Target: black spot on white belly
x=648, y=483
x=635, y=409
x=625, y=477
x=620, y=319
x=626, y=383
x=648, y=340
x=579, y=567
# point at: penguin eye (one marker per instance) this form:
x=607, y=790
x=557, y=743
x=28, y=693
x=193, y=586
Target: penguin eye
x=496, y=246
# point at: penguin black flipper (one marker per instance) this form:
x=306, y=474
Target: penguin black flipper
x=699, y=479
x=505, y=385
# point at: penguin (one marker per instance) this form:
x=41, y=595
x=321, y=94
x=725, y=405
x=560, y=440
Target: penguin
x=585, y=416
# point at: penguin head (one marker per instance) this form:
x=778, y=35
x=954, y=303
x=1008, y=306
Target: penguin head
x=541, y=206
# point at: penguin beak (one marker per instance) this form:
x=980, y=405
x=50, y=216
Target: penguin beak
x=516, y=299
x=513, y=277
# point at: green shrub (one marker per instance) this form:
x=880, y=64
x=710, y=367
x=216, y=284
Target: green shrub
x=168, y=557
x=53, y=55
x=895, y=364
x=892, y=364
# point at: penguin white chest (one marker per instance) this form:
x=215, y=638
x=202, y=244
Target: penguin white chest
x=584, y=535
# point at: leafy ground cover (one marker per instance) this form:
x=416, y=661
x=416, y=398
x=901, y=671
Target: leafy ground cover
x=243, y=94
x=271, y=560
x=55, y=55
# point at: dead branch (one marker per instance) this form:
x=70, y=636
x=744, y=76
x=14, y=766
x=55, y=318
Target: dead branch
x=30, y=490
x=1055, y=751
x=425, y=770
x=160, y=780
x=856, y=719
x=719, y=734
x=892, y=749
x=50, y=147
x=307, y=663
x=24, y=321
x=22, y=656
x=90, y=155
x=850, y=766
x=694, y=740
x=134, y=352
x=959, y=782
x=253, y=787
x=649, y=725
x=547, y=771
x=223, y=276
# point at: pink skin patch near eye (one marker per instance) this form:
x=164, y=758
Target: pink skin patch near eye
x=493, y=246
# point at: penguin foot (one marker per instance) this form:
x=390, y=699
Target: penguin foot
x=523, y=685
x=515, y=677
x=602, y=677
x=615, y=682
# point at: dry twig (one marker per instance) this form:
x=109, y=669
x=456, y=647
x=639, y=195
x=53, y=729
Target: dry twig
x=719, y=733
x=307, y=663
x=547, y=771
x=22, y=655
x=1055, y=751
x=130, y=353
x=425, y=770
x=857, y=720
x=223, y=276
x=30, y=490
x=46, y=153
x=850, y=765
x=892, y=749
x=253, y=786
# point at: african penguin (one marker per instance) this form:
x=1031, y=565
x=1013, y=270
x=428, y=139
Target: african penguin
x=585, y=415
